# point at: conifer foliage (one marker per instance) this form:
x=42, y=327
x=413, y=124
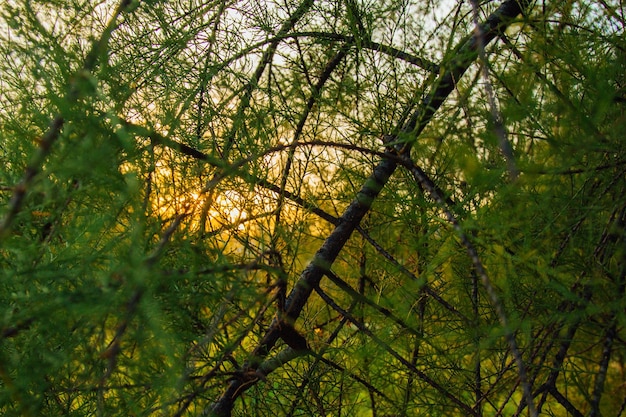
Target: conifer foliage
x=312, y=208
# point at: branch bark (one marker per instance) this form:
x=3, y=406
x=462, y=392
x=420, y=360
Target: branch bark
x=322, y=261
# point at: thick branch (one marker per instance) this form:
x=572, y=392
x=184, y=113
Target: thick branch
x=348, y=222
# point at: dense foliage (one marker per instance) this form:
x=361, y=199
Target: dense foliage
x=333, y=208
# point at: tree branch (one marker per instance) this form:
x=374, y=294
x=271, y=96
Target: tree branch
x=348, y=222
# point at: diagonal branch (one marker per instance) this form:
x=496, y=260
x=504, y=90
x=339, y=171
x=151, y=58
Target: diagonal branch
x=98, y=49
x=267, y=57
x=496, y=116
x=317, y=90
x=422, y=179
x=363, y=329
x=351, y=218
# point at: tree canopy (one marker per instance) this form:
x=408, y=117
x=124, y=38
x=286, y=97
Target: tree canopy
x=312, y=208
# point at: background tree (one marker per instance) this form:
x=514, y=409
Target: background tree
x=312, y=208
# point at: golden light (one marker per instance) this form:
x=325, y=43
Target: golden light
x=230, y=205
